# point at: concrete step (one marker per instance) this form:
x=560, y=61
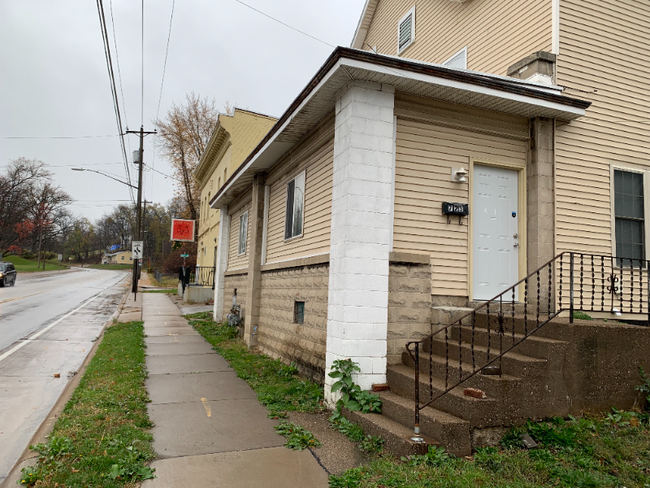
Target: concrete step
x=397, y=437
x=478, y=412
x=496, y=386
x=442, y=315
x=534, y=346
x=450, y=431
x=512, y=363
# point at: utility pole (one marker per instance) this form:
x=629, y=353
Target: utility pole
x=138, y=231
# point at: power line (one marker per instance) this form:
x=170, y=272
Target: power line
x=162, y=83
x=284, y=24
x=117, y=61
x=58, y=137
x=142, y=68
x=111, y=75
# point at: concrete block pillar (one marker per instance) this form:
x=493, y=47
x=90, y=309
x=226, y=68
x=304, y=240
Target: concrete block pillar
x=222, y=263
x=541, y=200
x=254, y=280
x=357, y=313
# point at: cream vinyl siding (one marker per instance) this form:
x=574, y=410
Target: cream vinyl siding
x=425, y=154
x=603, y=51
x=497, y=33
x=236, y=261
x=316, y=156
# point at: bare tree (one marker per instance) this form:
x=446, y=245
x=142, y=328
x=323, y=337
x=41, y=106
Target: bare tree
x=183, y=135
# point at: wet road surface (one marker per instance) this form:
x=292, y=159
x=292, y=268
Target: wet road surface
x=48, y=323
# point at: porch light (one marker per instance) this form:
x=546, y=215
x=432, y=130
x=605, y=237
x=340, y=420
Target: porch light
x=459, y=175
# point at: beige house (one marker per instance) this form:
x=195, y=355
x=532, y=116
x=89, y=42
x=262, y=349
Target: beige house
x=442, y=161
x=233, y=139
x=123, y=257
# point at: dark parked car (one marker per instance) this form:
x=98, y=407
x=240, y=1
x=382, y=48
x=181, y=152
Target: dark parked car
x=7, y=274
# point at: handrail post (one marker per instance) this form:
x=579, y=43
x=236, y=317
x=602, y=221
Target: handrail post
x=417, y=437
x=571, y=289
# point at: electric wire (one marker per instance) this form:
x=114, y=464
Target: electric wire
x=162, y=83
x=111, y=75
x=119, y=71
x=285, y=24
x=57, y=137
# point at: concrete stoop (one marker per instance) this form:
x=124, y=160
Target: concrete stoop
x=562, y=369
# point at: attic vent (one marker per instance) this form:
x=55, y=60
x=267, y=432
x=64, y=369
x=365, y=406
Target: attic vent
x=406, y=31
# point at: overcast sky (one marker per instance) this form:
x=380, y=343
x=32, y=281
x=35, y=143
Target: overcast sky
x=54, y=81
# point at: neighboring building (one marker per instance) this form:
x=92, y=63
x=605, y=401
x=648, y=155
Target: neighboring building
x=123, y=257
x=234, y=137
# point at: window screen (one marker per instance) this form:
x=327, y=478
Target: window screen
x=629, y=215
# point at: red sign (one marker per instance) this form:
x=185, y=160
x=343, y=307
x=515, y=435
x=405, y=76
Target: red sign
x=183, y=230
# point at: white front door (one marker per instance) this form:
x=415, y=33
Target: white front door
x=495, y=231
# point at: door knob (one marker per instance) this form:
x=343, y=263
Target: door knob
x=515, y=235
x=516, y=244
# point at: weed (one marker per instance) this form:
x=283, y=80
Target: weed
x=297, y=437
x=435, y=456
x=581, y=316
x=352, y=397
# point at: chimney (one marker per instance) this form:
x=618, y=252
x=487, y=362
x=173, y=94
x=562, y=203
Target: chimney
x=539, y=67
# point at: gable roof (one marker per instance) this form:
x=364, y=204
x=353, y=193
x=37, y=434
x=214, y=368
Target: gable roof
x=364, y=24
x=460, y=86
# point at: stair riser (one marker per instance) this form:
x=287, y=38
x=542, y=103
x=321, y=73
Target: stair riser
x=514, y=366
x=477, y=413
x=531, y=346
x=493, y=385
x=395, y=444
x=454, y=437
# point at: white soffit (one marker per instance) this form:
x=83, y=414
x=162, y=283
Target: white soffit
x=320, y=101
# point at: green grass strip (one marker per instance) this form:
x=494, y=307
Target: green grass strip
x=277, y=385
x=168, y=291
x=102, y=437
x=594, y=451
x=28, y=266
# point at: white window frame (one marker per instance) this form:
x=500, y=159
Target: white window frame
x=646, y=205
x=286, y=206
x=411, y=12
x=243, y=219
x=462, y=52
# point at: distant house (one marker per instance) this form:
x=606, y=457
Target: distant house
x=123, y=257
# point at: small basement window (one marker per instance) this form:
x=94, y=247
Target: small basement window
x=406, y=30
x=295, y=207
x=298, y=312
x=243, y=233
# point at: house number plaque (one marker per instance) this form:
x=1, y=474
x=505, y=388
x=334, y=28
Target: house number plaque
x=460, y=209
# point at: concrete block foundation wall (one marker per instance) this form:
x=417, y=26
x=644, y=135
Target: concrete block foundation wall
x=409, y=301
x=278, y=335
x=232, y=281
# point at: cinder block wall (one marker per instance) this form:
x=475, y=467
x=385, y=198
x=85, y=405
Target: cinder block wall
x=409, y=302
x=278, y=335
x=230, y=283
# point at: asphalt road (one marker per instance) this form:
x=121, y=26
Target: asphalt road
x=48, y=323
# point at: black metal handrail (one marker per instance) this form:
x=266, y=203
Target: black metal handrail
x=202, y=276
x=596, y=283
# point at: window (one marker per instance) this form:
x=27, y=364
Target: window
x=629, y=214
x=243, y=233
x=458, y=60
x=295, y=205
x=298, y=312
x=406, y=31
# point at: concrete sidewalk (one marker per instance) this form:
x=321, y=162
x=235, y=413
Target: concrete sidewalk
x=210, y=430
